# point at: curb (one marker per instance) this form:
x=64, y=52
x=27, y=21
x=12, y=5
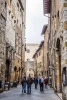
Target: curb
x=59, y=96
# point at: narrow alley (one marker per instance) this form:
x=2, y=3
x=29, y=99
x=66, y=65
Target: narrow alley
x=15, y=94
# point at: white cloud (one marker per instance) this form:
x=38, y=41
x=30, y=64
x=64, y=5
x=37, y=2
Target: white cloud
x=34, y=20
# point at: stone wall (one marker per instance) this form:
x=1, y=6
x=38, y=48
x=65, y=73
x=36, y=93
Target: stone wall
x=58, y=41
x=3, y=15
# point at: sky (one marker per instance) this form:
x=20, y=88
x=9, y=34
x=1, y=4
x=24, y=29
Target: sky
x=35, y=20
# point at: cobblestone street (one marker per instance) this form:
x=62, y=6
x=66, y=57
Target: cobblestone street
x=15, y=94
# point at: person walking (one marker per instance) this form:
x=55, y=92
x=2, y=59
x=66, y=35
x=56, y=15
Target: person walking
x=42, y=84
x=35, y=82
x=29, y=82
x=24, y=82
x=41, y=80
x=46, y=82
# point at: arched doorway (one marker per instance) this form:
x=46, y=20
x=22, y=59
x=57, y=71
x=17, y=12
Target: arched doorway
x=64, y=80
x=19, y=74
x=30, y=72
x=58, y=66
x=15, y=73
x=7, y=72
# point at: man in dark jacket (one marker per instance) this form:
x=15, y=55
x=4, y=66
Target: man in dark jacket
x=29, y=82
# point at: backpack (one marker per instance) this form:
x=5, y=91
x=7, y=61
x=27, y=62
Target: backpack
x=39, y=81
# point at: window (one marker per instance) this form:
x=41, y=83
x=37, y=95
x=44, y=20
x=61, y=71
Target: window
x=14, y=21
x=29, y=69
x=18, y=5
x=12, y=16
x=17, y=33
x=58, y=14
x=5, y=5
x=20, y=25
x=9, y=12
x=20, y=10
x=18, y=60
x=17, y=20
x=16, y=49
x=39, y=53
x=28, y=59
x=28, y=51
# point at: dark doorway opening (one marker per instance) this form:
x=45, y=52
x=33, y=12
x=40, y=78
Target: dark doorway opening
x=58, y=46
x=7, y=72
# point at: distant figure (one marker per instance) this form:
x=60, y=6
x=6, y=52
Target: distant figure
x=35, y=82
x=46, y=82
x=24, y=82
x=29, y=82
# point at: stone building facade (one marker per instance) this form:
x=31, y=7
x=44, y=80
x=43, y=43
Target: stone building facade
x=45, y=34
x=23, y=36
x=39, y=60
x=3, y=16
x=57, y=43
x=15, y=35
x=12, y=41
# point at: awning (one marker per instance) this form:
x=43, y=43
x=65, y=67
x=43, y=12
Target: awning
x=46, y=6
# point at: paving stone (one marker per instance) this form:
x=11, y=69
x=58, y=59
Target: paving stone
x=15, y=94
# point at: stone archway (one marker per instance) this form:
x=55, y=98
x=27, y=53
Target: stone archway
x=7, y=72
x=30, y=72
x=58, y=66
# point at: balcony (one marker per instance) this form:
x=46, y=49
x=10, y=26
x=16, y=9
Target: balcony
x=46, y=6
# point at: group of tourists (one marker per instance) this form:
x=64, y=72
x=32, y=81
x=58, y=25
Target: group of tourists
x=43, y=82
x=26, y=83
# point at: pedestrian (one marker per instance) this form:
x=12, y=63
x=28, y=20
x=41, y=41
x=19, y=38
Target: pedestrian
x=41, y=83
x=29, y=83
x=24, y=82
x=46, y=82
x=36, y=82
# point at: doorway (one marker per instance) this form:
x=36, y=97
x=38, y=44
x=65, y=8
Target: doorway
x=7, y=72
x=58, y=66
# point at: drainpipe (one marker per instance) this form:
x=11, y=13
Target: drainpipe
x=43, y=59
